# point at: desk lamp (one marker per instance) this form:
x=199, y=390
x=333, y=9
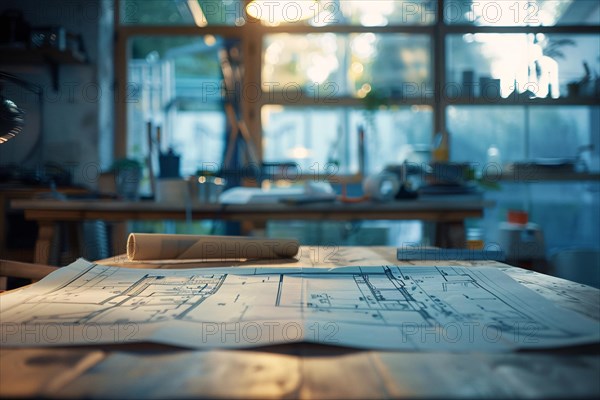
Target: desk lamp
x=12, y=118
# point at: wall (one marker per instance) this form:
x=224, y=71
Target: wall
x=77, y=125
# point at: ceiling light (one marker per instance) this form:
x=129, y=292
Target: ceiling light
x=197, y=13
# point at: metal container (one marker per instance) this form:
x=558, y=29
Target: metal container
x=206, y=189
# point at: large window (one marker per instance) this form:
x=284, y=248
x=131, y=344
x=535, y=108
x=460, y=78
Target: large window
x=309, y=85
x=501, y=73
x=522, y=76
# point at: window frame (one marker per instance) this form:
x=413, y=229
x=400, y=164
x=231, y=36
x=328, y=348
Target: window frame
x=252, y=33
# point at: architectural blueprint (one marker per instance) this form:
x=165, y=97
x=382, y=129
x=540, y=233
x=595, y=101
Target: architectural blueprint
x=378, y=307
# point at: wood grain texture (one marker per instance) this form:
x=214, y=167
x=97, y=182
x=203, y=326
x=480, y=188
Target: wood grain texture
x=314, y=371
x=225, y=374
x=491, y=375
x=352, y=375
x=443, y=210
x=41, y=372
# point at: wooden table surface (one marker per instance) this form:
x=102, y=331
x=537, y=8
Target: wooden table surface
x=447, y=212
x=433, y=208
x=313, y=371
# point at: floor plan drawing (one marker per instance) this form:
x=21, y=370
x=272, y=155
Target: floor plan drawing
x=428, y=308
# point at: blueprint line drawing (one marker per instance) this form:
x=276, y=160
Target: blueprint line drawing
x=393, y=307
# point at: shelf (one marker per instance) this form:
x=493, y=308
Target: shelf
x=561, y=101
x=537, y=174
x=49, y=57
x=18, y=56
x=306, y=99
x=561, y=29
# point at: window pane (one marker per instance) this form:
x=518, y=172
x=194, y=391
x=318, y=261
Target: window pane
x=182, y=12
x=522, y=12
x=473, y=129
x=558, y=132
x=329, y=64
x=318, y=139
x=523, y=132
x=345, y=12
x=544, y=65
x=391, y=134
x=383, y=13
x=175, y=83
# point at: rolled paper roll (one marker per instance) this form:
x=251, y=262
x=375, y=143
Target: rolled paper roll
x=154, y=246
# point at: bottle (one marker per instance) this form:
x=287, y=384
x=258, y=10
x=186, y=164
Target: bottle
x=475, y=239
x=361, y=151
x=440, y=152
